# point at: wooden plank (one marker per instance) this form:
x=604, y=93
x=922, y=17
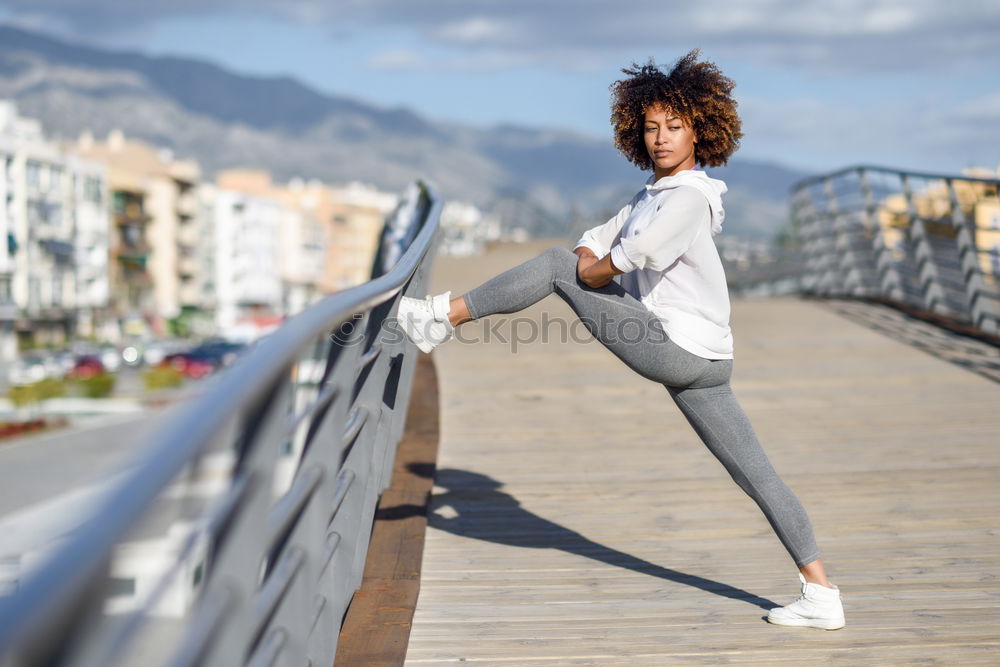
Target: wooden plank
x=376, y=628
x=577, y=520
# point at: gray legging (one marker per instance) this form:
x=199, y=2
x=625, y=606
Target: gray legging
x=699, y=387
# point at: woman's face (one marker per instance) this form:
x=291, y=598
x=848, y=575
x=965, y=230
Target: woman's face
x=670, y=141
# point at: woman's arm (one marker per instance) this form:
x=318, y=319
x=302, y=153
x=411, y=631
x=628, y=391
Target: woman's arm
x=592, y=271
x=681, y=218
x=600, y=239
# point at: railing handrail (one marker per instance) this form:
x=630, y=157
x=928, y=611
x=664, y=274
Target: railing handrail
x=819, y=178
x=46, y=598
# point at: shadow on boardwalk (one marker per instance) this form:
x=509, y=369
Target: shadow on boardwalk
x=979, y=356
x=484, y=512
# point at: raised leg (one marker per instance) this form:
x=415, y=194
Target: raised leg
x=611, y=315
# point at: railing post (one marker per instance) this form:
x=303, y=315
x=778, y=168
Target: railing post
x=847, y=266
x=890, y=284
x=972, y=278
x=930, y=285
x=808, y=231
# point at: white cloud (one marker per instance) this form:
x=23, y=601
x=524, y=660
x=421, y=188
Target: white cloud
x=480, y=62
x=886, y=20
x=835, y=36
x=475, y=30
x=398, y=59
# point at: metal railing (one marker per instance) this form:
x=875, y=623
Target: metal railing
x=239, y=535
x=927, y=241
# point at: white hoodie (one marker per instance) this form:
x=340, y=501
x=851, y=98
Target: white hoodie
x=662, y=240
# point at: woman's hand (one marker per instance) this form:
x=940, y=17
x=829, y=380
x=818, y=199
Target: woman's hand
x=594, y=272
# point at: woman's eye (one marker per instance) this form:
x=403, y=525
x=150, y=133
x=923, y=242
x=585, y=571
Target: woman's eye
x=650, y=129
x=676, y=127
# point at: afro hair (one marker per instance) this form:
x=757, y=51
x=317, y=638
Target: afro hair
x=698, y=92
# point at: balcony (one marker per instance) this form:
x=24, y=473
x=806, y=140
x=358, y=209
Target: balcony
x=188, y=266
x=138, y=252
x=187, y=205
x=122, y=219
x=62, y=252
x=188, y=234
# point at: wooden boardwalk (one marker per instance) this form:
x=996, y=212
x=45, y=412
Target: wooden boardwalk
x=579, y=521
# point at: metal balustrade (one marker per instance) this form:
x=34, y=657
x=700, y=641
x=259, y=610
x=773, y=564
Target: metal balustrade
x=239, y=533
x=927, y=241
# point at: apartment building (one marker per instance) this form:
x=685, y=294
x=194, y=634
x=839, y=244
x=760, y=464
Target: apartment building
x=157, y=227
x=53, y=266
x=114, y=238
x=356, y=214
x=247, y=284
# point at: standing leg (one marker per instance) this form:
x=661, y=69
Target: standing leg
x=719, y=420
x=725, y=429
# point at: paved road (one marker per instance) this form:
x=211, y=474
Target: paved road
x=36, y=468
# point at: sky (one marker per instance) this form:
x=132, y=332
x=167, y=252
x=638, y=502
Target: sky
x=913, y=84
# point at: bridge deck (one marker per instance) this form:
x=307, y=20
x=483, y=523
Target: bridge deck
x=579, y=521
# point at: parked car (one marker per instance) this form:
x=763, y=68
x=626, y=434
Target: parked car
x=222, y=352
x=86, y=366
x=204, y=358
x=189, y=364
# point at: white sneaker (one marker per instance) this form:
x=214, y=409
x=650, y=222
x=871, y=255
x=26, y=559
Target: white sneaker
x=817, y=607
x=425, y=321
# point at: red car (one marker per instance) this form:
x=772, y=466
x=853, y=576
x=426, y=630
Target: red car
x=190, y=365
x=86, y=366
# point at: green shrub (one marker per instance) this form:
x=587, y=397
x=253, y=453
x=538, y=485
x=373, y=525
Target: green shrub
x=22, y=395
x=162, y=377
x=26, y=394
x=50, y=388
x=97, y=386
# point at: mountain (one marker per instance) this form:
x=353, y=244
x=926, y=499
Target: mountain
x=538, y=178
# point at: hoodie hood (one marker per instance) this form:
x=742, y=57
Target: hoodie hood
x=712, y=188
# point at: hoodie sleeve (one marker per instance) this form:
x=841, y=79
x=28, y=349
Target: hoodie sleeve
x=601, y=238
x=676, y=225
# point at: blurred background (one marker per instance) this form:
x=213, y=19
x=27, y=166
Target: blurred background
x=181, y=173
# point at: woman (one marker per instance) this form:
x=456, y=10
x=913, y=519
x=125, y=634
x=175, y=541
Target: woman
x=672, y=282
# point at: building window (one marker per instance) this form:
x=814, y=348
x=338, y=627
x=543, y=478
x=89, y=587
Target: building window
x=34, y=291
x=92, y=190
x=33, y=174
x=131, y=235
